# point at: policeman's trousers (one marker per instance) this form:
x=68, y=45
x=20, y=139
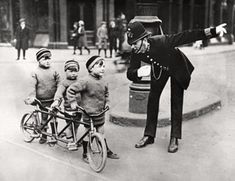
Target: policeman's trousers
x=177, y=94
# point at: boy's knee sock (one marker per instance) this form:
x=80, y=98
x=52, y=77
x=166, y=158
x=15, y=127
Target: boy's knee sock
x=106, y=145
x=84, y=144
x=43, y=135
x=53, y=127
x=99, y=52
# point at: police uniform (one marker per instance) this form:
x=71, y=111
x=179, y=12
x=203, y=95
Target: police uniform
x=166, y=61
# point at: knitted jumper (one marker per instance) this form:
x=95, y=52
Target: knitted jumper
x=44, y=84
x=61, y=93
x=94, y=96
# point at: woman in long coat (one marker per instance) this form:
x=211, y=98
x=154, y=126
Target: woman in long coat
x=22, y=38
x=82, y=38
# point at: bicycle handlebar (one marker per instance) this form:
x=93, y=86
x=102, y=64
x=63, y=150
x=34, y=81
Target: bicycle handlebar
x=38, y=102
x=93, y=115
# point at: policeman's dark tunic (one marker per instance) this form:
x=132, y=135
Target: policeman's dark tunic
x=166, y=61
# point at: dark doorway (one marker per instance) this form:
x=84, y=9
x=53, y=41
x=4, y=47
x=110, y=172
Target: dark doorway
x=82, y=10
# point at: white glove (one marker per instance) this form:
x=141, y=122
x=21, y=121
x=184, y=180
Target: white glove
x=220, y=29
x=144, y=71
x=74, y=105
x=56, y=103
x=29, y=100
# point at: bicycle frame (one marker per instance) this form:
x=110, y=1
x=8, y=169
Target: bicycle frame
x=32, y=127
x=70, y=120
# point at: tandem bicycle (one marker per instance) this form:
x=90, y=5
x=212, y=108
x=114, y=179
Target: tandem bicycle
x=32, y=128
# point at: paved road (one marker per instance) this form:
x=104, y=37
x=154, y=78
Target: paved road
x=206, y=151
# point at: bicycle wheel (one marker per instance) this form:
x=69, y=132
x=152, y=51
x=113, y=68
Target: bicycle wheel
x=97, y=152
x=28, y=124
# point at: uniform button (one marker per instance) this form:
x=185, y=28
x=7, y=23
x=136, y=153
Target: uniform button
x=157, y=64
x=151, y=59
x=147, y=56
x=160, y=66
x=154, y=62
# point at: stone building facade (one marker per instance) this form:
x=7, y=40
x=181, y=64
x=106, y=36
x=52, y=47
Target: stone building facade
x=51, y=21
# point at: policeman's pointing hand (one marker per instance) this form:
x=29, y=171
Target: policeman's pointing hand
x=220, y=29
x=144, y=71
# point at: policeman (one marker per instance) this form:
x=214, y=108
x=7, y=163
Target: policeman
x=163, y=60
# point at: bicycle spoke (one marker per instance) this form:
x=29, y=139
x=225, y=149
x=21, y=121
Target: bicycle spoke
x=97, y=152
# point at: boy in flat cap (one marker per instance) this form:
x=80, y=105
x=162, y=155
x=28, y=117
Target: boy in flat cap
x=94, y=97
x=45, y=80
x=71, y=69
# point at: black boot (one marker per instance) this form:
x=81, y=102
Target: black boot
x=173, y=145
x=43, y=138
x=84, y=155
x=110, y=154
x=53, y=131
x=18, y=54
x=24, y=52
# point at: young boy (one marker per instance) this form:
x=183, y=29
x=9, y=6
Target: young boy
x=43, y=86
x=94, y=97
x=71, y=69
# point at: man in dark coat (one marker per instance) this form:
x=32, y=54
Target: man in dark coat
x=164, y=60
x=22, y=38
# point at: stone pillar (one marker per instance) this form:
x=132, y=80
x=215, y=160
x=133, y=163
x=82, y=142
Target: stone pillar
x=170, y=17
x=63, y=22
x=230, y=18
x=191, y=14
x=211, y=13
x=99, y=12
x=22, y=9
x=218, y=12
x=57, y=24
x=180, y=16
x=111, y=9
x=11, y=19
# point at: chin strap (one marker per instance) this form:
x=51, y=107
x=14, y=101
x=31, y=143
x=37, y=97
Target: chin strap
x=140, y=46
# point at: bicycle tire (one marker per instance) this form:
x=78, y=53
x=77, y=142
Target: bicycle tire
x=97, y=152
x=27, y=125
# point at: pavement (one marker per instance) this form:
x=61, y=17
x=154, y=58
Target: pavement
x=206, y=151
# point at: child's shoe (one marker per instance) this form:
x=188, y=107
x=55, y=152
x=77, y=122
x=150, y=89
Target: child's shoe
x=52, y=141
x=72, y=146
x=85, y=158
x=112, y=155
x=43, y=139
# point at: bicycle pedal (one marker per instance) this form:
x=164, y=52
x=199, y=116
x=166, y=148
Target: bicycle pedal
x=53, y=141
x=35, y=135
x=72, y=146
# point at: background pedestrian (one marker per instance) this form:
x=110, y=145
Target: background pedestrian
x=113, y=33
x=74, y=37
x=102, y=35
x=82, y=38
x=22, y=38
